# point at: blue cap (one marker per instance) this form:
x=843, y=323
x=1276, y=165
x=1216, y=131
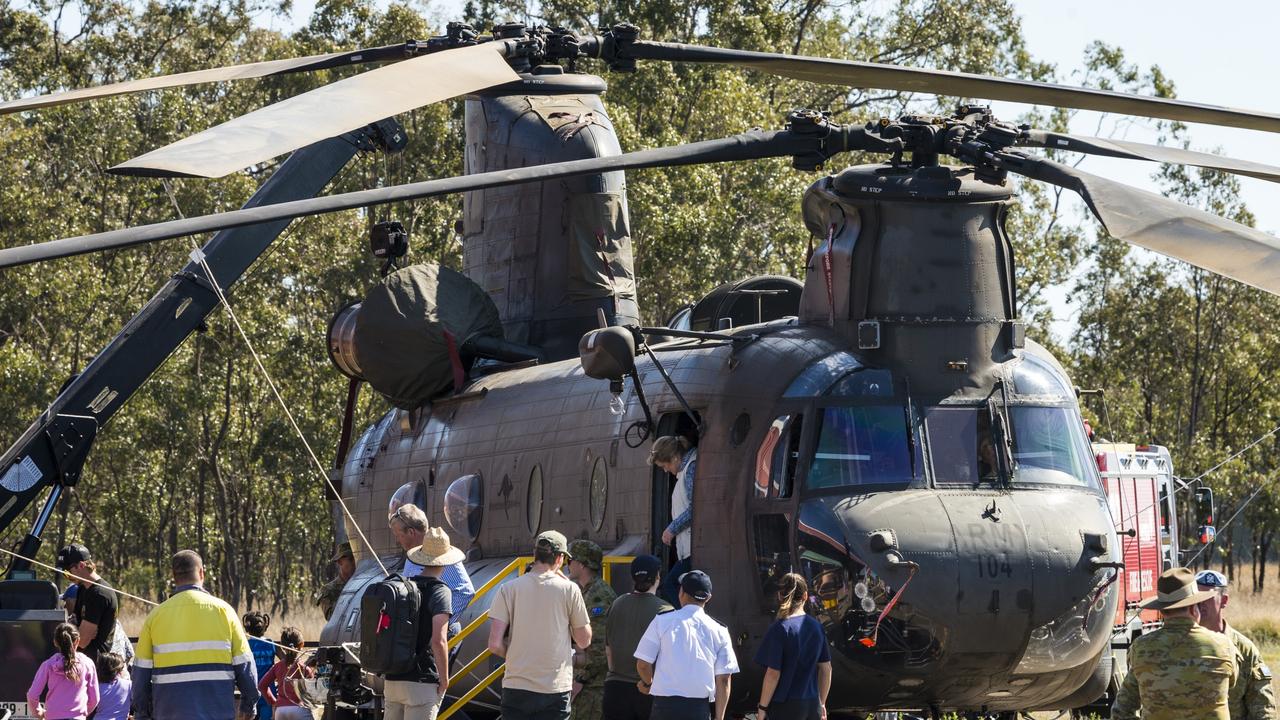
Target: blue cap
x=1211, y=578
x=696, y=584
x=71, y=591
x=644, y=567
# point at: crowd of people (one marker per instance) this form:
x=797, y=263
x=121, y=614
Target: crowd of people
x=571, y=646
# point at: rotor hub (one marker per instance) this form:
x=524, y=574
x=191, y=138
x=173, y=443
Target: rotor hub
x=936, y=183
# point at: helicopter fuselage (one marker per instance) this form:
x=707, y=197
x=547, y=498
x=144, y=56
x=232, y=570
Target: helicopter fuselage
x=809, y=461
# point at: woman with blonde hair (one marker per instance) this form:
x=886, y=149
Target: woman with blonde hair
x=796, y=659
x=676, y=455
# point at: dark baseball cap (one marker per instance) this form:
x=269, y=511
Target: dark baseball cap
x=72, y=555
x=644, y=567
x=696, y=584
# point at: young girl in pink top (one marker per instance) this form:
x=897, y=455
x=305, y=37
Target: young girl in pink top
x=70, y=678
x=289, y=667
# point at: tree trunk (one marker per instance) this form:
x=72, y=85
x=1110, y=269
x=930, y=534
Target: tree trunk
x=1264, y=547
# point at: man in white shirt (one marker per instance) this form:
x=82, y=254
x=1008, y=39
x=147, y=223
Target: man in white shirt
x=685, y=659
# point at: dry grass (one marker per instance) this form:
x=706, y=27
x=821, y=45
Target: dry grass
x=306, y=617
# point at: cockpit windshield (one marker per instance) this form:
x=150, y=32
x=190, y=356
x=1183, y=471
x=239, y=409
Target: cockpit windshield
x=861, y=445
x=1048, y=445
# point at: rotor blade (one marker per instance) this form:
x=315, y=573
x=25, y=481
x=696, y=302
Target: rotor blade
x=1154, y=153
x=1166, y=226
x=942, y=82
x=325, y=112
x=196, y=77
x=747, y=146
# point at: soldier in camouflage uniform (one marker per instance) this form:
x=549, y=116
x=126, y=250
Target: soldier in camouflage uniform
x=327, y=596
x=591, y=665
x=1250, y=696
x=1182, y=670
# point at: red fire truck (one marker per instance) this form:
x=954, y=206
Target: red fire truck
x=1143, y=494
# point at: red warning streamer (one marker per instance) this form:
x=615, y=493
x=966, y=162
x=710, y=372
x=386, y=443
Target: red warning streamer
x=875, y=634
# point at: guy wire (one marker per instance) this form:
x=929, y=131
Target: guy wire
x=118, y=591
x=198, y=256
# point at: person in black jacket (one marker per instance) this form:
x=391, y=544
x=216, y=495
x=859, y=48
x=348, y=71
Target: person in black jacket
x=417, y=694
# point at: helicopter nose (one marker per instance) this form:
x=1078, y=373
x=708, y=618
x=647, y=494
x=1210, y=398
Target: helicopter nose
x=988, y=586
x=973, y=571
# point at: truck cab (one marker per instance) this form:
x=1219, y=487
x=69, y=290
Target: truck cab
x=1141, y=491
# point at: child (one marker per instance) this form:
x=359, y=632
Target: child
x=289, y=667
x=115, y=688
x=69, y=677
x=264, y=653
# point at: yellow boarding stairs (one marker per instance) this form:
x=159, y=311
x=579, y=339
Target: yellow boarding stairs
x=514, y=568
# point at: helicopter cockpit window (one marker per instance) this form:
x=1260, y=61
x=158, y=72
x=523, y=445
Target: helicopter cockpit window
x=1034, y=377
x=864, y=383
x=464, y=508
x=818, y=377
x=861, y=445
x=777, y=457
x=960, y=444
x=1049, y=446
x=773, y=554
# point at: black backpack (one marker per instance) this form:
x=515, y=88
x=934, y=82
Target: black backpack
x=389, y=626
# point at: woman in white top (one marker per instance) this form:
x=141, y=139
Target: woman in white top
x=677, y=456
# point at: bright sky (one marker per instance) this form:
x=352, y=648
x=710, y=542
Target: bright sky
x=1215, y=57
x=1221, y=55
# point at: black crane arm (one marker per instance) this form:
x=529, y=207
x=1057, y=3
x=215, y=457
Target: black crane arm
x=52, y=451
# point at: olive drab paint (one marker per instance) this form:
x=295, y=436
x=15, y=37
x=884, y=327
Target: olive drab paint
x=1001, y=603
x=550, y=253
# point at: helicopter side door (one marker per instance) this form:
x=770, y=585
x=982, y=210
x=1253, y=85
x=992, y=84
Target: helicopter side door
x=779, y=462
x=664, y=483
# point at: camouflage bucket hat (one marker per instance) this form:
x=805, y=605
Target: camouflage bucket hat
x=344, y=550
x=587, y=553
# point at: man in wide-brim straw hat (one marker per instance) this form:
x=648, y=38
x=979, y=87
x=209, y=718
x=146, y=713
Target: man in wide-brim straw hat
x=416, y=694
x=1182, y=670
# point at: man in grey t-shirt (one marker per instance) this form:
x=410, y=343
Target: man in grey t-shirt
x=628, y=619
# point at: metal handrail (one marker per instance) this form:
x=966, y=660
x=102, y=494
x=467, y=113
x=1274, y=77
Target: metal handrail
x=518, y=565
x=473, y=692
x=606, y=565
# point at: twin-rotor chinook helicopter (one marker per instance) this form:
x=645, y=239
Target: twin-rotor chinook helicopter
x=883, y=427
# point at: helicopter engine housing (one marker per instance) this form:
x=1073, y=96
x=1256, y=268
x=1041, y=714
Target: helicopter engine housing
x=550, y=254
x=916, y=271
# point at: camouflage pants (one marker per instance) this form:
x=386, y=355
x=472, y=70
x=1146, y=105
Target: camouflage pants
x=588, y=704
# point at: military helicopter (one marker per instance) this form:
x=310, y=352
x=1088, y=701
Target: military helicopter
x=883, y=427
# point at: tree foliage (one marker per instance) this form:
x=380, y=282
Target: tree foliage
x=203, y=457
x=1180, y=352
